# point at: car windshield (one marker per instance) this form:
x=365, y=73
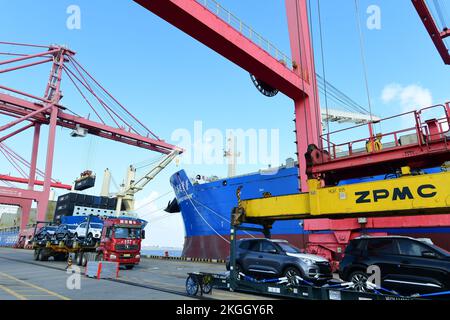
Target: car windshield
x=96, y=225
x=440, y=250
x=127, y=233
x=288, y=247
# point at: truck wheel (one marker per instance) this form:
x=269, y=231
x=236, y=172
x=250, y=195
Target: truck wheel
x=79, y=259
x=84, y=260
x=36, y=254
x=42, y=256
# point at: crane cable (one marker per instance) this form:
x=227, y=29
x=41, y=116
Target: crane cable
x=323, y=67
x=312, y=71
x=363, y=58
x=440, y=13
x=198, y=212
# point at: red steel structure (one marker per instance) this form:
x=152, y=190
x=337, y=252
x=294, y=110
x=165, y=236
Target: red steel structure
x=436, y=35
x=203, y=21
x=298, y=83
x=427, y=142
x=32, y=111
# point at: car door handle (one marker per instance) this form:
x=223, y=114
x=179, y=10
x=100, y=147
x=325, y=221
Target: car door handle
x=260, y=257
x=405, y=262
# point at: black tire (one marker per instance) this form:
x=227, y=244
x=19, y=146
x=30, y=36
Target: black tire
x=42, y=256
x=36, y=254
x=191, y=286
x=84, y=260
x=79, y=259
x=89, y=238
x=239, y=270
x=359, y=278
x=129, y=267
x=291, y=273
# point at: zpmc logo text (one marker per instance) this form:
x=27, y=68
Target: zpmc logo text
x=425, y=191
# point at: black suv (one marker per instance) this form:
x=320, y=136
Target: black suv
x=64, y=232
x=407, y=265
x=45, y=233
x=277, y=258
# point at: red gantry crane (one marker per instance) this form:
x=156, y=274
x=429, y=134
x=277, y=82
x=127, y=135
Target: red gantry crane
x=31, y=111
x=209, y=23
x=322, y=162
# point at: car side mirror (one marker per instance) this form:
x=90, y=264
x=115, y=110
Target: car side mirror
x=143, y=234
x=429, y=254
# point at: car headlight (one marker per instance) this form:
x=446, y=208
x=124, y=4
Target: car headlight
x=113, y=257
x=307, y=261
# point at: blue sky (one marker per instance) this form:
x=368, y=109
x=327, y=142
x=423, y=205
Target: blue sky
x=169, y=80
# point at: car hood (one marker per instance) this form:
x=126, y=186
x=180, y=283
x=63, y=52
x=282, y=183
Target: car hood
x=307, y=256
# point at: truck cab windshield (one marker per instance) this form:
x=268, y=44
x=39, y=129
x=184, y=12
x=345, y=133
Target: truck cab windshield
x=127, y=233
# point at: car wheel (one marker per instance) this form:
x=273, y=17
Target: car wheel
x=89, y=238
x=129, y=267
x=75, y=236
x=239, y=270
x=359, y=278
x=291, y=274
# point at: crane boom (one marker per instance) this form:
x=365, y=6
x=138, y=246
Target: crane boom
x=126, y=196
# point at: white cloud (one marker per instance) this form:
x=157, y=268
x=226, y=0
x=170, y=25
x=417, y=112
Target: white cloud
x=410, y=97
x=163, y=229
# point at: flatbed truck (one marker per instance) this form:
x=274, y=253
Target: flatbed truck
x=120, y=242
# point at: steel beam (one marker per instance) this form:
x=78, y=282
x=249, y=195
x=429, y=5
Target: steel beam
x=203, y=25
x=56, y=185
x=23, y=107
x=432, y=28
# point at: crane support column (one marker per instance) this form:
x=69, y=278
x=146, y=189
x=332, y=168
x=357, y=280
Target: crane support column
x=308, y=124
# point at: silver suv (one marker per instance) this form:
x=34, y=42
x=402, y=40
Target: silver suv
x=269, y=258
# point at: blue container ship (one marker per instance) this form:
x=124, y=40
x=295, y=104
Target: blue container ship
x=206, y=211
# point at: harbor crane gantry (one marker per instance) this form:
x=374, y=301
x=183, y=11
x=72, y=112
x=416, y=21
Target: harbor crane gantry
x=437, y=35
x=114, y=122
x=323, y=164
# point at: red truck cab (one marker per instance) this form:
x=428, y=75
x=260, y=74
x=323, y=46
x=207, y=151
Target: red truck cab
x=121, y=241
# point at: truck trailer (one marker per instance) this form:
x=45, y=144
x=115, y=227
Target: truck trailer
x=120, y=242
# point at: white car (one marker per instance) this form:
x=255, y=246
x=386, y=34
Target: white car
x=95, y=230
